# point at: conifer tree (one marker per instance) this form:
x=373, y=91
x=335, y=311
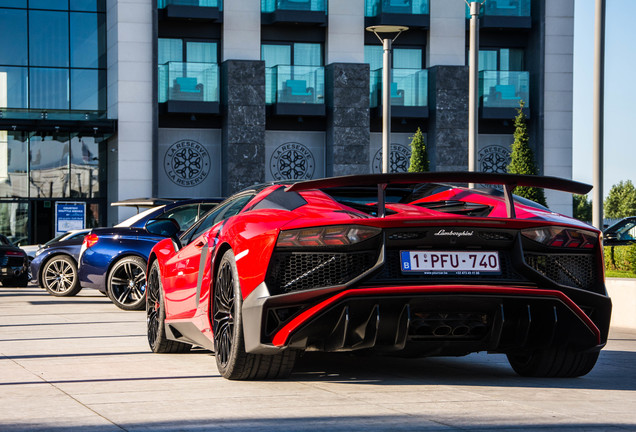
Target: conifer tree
x=419, y=155
x=522, y=158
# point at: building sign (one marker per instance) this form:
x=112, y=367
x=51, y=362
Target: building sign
x=399, y=160
x=294, y=155
x=69, y=216
x=187, y=163
x=292, y=161
x=494, y=159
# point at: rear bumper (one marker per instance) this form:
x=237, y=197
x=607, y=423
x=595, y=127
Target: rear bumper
x=428, y=320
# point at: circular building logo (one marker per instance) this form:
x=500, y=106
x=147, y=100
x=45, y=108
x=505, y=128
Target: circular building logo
x=399, y=160
x=494, y=159
x=292, y=161
x=187, y=163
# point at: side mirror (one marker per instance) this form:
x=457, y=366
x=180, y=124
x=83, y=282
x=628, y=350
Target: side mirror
x=164, y=227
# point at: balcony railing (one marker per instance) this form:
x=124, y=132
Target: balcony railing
x=198, y=82
x=504, y=8
x=504, y=89
x=268, y=6
x=162, y=4
x=295, y=84
x=409, y=88
x=411, y=7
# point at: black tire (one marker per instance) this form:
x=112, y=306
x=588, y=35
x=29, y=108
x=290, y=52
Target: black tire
x=59, y=277
x=21, y=281
x=16, y=282
x=556, y=362
x=126, y=284
x=231, y=359
x=156, y=316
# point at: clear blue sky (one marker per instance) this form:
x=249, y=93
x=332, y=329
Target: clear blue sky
x=620, y=92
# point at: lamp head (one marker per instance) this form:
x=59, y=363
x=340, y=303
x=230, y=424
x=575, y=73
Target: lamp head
x=386, y=31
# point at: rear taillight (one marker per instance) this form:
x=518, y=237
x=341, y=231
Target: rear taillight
x=14, y=253
x=562, y=237
x=90, y=240
x=337, y=235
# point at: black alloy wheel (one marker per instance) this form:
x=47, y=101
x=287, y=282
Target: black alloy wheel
x=59, y=277
x=156, y=316
x=224, y=313
x=126, y=284
x=229, y=346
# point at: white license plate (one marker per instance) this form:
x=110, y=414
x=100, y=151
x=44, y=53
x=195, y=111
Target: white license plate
x=450, y=262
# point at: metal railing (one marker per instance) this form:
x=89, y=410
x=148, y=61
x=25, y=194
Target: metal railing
x=293, y=5
x=295, y=84
x=410, y=7
x=504, y=8
x=504, y=89
x=189, y=82
x=409, y=88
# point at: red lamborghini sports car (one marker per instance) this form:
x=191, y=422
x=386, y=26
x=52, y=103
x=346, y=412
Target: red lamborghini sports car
x=402, y=264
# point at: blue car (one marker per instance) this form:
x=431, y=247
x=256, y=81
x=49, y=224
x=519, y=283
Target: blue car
x=113, y=260
x=54, y=267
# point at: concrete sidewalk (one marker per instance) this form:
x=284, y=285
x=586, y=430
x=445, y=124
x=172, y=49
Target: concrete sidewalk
x=81, y=364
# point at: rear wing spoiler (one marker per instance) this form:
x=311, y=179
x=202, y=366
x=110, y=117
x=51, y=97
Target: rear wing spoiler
x=508, y=181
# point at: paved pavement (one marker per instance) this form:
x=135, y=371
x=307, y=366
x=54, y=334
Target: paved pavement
x=81, y=364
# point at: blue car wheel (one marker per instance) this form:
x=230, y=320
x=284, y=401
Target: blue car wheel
x=126, y=284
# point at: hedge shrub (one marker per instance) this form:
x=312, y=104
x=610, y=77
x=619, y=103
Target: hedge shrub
x=620, y=258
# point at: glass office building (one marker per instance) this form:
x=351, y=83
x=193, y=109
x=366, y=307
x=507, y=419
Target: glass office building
x=104, y=100
x=52, y=113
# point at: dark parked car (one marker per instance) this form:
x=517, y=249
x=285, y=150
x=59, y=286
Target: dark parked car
x=14, y=264
x=400, y=263
x=113, y=260
x=54, y=267
x=621, y=233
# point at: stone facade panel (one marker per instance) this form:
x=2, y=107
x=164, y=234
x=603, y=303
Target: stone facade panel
x=243, y=143
x=348, y=132
x=350, y=153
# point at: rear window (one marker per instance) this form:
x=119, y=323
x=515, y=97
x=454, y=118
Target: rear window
x=131, y=220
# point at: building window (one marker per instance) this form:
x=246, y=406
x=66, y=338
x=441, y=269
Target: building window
x=503, y=83
x=13, y=25
x=13, y=164
x=53, y=56
x=409, y=85
x=502, y=59
x=294, y=72
x=188, y=70
x=48, y=39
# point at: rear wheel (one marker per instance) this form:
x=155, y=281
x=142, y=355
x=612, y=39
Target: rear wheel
x=229, y=346
x=156, y=316
x=59, y=277
x=126, y=284
x=556, y=362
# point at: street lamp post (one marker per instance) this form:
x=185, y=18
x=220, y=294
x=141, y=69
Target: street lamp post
x=386, y=85
x=473, y=79
x=599, y=95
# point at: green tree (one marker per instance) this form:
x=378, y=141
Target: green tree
x=522, y=158
x=419, y=155
x=582, y=208
x=621, y=201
